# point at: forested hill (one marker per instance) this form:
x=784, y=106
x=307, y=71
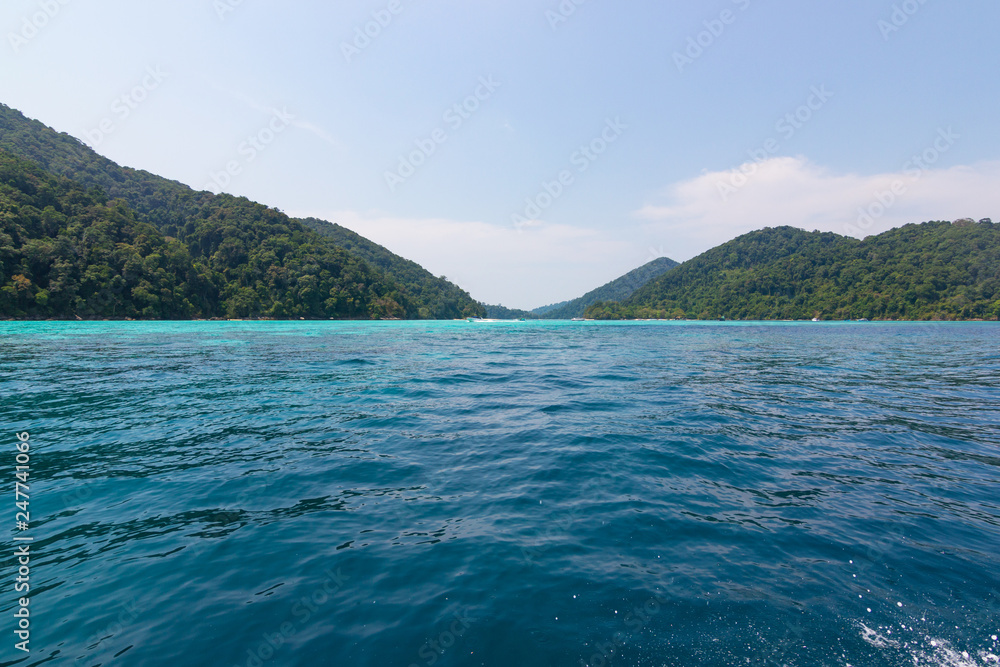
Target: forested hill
x=254, y=249
x=68, y=252
x=441, y=299
x=935, y=270
x=545, y=309
x=616, y=290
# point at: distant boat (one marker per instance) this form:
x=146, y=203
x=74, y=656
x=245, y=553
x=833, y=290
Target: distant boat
x=578, y=319
x=815, y=319
x=863, y=319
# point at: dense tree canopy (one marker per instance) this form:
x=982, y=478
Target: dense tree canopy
x=439, y=298
x=935, y=270
x=504, y=313
x=616, y=290
x=253, y=261
x=69, y=252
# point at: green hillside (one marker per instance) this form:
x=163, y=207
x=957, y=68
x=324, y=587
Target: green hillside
x=440, y=298
x=67, y=252
x=616, y=290
x=935, y=270
x=541, y=310
x=254, y=249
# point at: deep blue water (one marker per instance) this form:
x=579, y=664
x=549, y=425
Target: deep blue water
x=533, y=494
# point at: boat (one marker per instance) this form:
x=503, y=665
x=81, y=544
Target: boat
x=578, y=319
x=815, y=319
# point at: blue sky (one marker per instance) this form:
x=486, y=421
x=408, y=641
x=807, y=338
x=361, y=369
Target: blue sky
x=675, y=126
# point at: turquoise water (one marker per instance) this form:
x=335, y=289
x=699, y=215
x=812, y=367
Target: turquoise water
x=533, y=494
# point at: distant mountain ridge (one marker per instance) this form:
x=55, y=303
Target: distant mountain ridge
x=549, y=308
x=616, y=290
x=934, y=270
x=258, y=262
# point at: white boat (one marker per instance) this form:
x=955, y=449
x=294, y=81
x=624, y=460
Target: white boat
x=815, y=319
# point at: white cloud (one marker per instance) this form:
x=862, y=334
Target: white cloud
x=525, y=267
x=714, y=207
x=539, y=262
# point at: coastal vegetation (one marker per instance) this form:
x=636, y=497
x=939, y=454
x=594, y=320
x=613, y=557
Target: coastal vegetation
x=616, y=290
x=69, y=252
x=82, y=237
x=930, y=271
x=504, y=313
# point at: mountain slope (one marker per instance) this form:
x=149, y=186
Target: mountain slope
x=442, y=299
x=935, y=270
x=616, y=290
x=549, y=308
x=205, y=222
x=67, y=252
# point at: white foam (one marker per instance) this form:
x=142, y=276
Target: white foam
x=929, y=651
x=942, y=654
x=875, y=638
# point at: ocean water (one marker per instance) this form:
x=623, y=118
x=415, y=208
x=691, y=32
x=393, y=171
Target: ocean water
x=529, y=494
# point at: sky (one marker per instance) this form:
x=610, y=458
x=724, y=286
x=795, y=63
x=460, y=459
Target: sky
x=532, y=150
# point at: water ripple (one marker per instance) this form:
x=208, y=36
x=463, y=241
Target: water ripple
x=534, y=494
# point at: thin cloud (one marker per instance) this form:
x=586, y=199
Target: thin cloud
x=707, y=210
x=524, y=267
x=538, y=263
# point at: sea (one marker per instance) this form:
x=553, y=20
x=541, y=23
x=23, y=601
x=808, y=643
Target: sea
x=522, y=494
